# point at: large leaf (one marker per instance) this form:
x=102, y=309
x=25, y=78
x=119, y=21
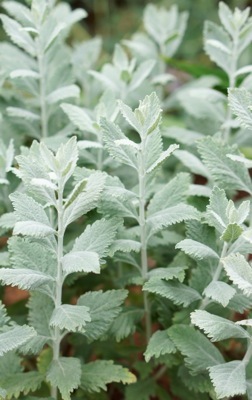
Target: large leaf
x=200, y=353
x=229, y=379
x=70, y=317
x=25, y=279
x=177, y=292
x=220, y=292
x=97, y=374
x=103, y=309
x=217, y=328
x=240, y=101
x=18, y=383
x=197, y=250
x=81, y=261
x=229, y=174
x=65, y=374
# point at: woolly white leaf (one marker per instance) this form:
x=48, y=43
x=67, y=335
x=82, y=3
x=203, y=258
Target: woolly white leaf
x=227, y=173
x=87, y=144
x=103, y=309
x=245, y=322
x=239, y=271
x=199, y=352
x=15, y=337
x=229, y=379
x=220, y=292
x=197, y=250
x=175, y=291
x=24, y=383
x=63, y=93
x=240, y=101
x=192, y=162
x=97, y=374
x=168, y=273
x=56, y=31
x=97, y=237
x=27, y=208
x=21, y=113
x=217, y=328
x=124, y=245
x=85, y=201
x=159, y=344
x=165, y=154
x=217, y=45
x=174, y=192
x=141, y=73
x=81, y=261
x=172, y=215
x=126, y=322
x=24, y=278
x=216, y=210
x=79, y=117
x=245, y=161
x=65, y=374
x=24, y=73
x=43, y=182
x=32, y=228
x=18, y=35
x=70, y=317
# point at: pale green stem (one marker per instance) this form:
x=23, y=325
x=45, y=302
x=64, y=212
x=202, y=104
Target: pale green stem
x=232, y=84
x=143, y=237
x=42, y=90
x=59, y=280
x=216, y=276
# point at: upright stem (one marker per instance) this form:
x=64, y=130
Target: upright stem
x=143, y=237
x=59, y=280
x=42, y=90
x=232, y=84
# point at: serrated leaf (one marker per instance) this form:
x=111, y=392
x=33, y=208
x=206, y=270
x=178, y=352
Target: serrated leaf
x=239, y=271
x=21, y=383
x=15, y=337
x=63, y=93
x=97, y=374
x=103, y=309
x=200, y=353
x=65, y=374
x=192, y=162
x=111, y=133
x=245, y=322
x=165, y=154
x=70, y=317
x=228, y=174
x=81, y=261
x=220, y=292
x=177, y=292
x=240, y=101
x=240, y=303
x=141, y=73
x=229, y=379
x=217, y=45
x=97, y=237
x=168, y=273
x=79, y=118
x=125, y=245
x=85, y=201
x=33, y=228
x=217, y=328
x=231, y=233
x=197, y=250
x=159, y=344
x=18, y=35
x=169, y=216
x=39, y=317
x=216, y=210
x=174, y=192
x=21, y=113
x=25, y=279
x=125, y=324
x=27, y=209
x=4, y=318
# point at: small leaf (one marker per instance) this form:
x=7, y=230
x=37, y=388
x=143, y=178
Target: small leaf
x=159, y=344
x=97, y=374
x=65, y=374
x=197, y=250
x=239, y=271
x=15, y=337
x=33, y=228
x=25, y=279
x=231, y=233
x=220, y=292
x=63, y=93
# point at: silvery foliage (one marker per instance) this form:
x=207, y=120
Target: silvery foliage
x=40, y=264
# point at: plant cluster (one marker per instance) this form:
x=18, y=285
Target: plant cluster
x=125, y=210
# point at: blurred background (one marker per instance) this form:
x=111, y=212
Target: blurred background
x=118, y=19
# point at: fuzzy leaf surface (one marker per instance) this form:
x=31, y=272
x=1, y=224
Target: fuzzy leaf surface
x=159, y=344
x=21, y=383
x=220, y=292
x=229, y=379
x=97, y=374
x=104, y=307
x=177, y=292
x=200, y=353
x=81, y=261
x=217, y=328
x=196, y=250
x=65, y=374
x=239, y=271
x=70, y=317
x=15, y=337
